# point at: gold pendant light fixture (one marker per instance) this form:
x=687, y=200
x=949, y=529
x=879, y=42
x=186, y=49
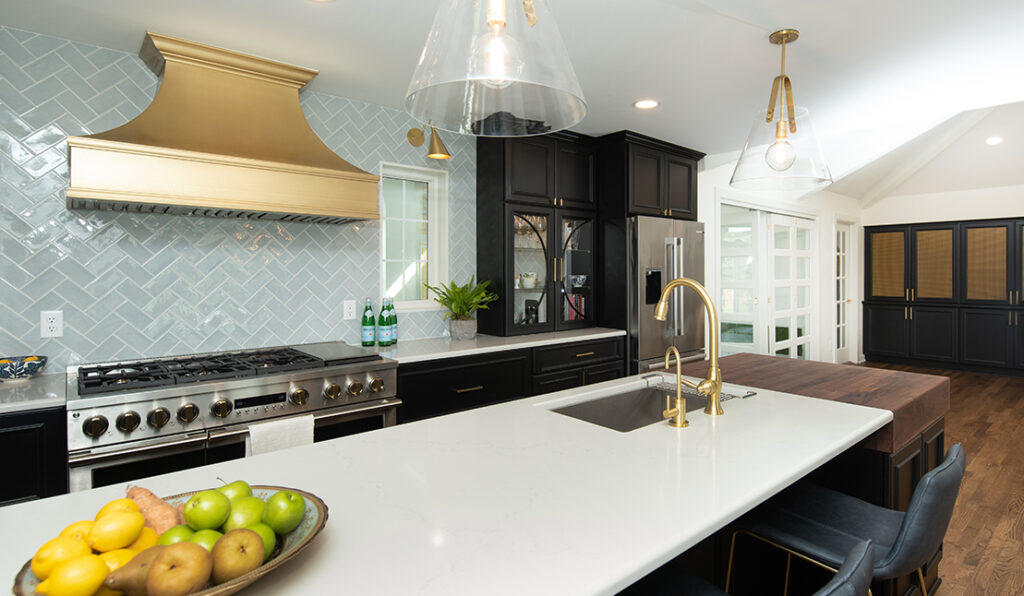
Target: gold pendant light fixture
x=495, y=68
x=783, y=155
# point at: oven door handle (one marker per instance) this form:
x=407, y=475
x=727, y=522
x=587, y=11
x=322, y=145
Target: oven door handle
x=239, y=433
x=81, y=459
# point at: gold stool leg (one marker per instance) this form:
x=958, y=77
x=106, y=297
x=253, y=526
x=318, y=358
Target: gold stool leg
x=785, y=586
x=920, y=577
x=728, y=568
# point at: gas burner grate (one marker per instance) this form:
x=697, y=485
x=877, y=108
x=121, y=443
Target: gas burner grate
x=96, y=380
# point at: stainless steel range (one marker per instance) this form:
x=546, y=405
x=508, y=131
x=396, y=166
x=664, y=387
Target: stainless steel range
x=128, y=420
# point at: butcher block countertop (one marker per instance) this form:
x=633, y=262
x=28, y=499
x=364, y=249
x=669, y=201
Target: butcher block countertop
x=915, y=400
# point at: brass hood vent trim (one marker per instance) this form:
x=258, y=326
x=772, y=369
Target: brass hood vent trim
x=225, y=136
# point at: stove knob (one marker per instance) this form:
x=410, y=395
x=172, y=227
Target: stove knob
x=220, y=408
x=158, y=417
x=332, y=391
x=377, y=385
x=355, y=388
x=299, y=396
x=95, y=426
x=188, y=412
x=128, y=421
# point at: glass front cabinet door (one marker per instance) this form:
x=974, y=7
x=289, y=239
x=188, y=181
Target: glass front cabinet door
x=574, y=270
x=530, y=267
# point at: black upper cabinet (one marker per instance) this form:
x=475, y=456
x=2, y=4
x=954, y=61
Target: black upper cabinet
x=552, y=170
x=644, y=176
x=35, y=446
x=989, y=263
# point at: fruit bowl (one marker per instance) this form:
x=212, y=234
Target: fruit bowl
x=20, y=368
x=288, y=545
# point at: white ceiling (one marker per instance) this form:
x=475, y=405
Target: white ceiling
x=857, y=65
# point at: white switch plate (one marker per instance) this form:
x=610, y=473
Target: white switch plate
x=350, y=310
x=51, y=323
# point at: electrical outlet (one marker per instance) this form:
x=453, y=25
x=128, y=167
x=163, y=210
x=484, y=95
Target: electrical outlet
x=51, y=323
x=350, y=310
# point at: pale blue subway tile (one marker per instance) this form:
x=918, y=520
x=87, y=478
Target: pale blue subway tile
x=14, y=48
x=42, y=44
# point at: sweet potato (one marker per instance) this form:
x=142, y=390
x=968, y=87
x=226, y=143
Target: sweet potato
x=159, y=514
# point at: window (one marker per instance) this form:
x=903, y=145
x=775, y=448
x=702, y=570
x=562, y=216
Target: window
x=414, y=233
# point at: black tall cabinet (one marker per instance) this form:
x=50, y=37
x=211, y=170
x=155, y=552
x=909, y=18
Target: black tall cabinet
x=946, y=294
x=536, y=232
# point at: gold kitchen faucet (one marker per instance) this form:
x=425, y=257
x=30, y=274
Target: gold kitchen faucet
x=712, y=385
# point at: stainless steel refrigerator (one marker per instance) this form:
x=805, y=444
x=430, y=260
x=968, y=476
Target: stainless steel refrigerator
x=656, y=251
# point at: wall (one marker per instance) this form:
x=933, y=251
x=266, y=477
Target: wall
x=828, y=208
x=137, y=286
x=977, y=203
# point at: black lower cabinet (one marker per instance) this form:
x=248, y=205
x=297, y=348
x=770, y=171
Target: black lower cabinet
x=34, y=447
x=885, y=330
x=1018, y=330
x=449, y=385
x=988, y=337
x=933, y=333
x=577, y=377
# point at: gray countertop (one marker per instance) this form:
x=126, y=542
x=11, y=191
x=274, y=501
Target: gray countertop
x=37, y=393
x=419, y=350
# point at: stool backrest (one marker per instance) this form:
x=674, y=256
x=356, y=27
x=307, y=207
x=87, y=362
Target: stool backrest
x=927, y=518
x=854, y=577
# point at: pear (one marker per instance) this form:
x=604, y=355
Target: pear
x=238, y=552
x=130, y=578
x=182, y=568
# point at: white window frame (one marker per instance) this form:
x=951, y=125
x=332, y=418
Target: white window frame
x=437, y=228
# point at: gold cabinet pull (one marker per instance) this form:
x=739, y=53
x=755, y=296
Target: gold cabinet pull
x=904, y=313
x=468, y=389
x=584, y=354
x=911, y=313
x=906, y=294
x=911, y=294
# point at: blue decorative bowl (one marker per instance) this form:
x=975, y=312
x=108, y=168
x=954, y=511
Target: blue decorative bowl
x=20, y=368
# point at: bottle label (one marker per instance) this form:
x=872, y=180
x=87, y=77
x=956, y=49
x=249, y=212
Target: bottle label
x=367, y=334
x=385, y=335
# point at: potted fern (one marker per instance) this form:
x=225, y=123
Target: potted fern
x=462, y=302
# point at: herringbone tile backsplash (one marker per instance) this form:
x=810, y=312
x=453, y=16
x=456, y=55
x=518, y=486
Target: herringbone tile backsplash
x=135, y=285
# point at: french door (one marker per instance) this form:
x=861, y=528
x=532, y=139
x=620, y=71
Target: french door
x=843, y=301
x=766, y=271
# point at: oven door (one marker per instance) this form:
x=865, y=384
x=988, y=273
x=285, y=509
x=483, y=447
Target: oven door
x=123, y=463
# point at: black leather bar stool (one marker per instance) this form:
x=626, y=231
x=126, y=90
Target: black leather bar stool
x=822, y=525
x=853, y=578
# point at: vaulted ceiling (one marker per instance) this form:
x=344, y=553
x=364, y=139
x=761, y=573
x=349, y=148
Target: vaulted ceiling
x=869, y=65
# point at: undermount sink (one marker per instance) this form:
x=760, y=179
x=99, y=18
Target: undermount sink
x=629, y=411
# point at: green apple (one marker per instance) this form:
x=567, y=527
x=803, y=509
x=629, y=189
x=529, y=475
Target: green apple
x=206, y=538
x=245, y=512
x=268, y=536
x=236, y=490
x=284, y=511
x=175, y=534
x=206, y=510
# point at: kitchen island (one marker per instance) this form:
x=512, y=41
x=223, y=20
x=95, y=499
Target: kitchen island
x=511, y=498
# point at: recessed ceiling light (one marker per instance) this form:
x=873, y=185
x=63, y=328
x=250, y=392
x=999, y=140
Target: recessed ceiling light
x=646, y=104
x=993, y=140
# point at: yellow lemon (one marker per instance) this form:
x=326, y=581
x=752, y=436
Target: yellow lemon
x=105, y=591
x=79, y=529
x=5, y=361
x=117, y=558
x=118, y=505
x=147, y=538
x=80, y=576
x=116, y=530
x=55, y=552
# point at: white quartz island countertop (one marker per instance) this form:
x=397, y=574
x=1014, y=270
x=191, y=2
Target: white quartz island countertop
x=512, y=498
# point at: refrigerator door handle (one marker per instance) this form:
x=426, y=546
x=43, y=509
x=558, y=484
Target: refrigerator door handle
x=674, y=265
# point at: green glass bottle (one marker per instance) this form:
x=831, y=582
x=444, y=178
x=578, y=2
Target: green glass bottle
x=394, y=321
x=383, y=330
x=369, y=328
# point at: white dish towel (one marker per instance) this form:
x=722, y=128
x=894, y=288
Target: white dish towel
x=279, y=434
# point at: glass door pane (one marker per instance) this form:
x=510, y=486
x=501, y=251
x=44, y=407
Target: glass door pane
x=791, y=261
x=933, y=264
x=986, y=268
x=738, y=269
x=842, y=295
x=888, y=277
x=574, y=274
x=530, y=258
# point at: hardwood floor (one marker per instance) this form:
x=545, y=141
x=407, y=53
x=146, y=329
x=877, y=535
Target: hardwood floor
x=983, y=552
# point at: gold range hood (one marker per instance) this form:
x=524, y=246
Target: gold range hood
x=225, y=136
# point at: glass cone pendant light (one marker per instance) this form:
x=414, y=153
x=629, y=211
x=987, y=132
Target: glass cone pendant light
x=783, y=153
x=495, y=68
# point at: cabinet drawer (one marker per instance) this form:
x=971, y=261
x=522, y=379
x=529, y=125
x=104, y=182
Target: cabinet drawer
x=452, y=385
x=603, y=372
x=556, y=381
x=546, y=359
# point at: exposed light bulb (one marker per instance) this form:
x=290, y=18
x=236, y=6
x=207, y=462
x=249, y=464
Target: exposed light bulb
x=780, y=154
x=496, y=56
